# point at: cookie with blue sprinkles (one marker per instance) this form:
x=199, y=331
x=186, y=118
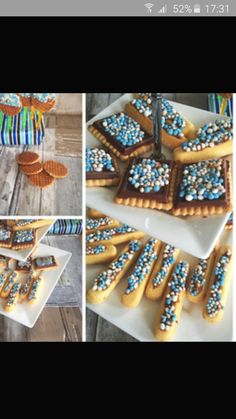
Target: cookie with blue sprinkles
x=100, y=253
x=212, y=141
x=214, y=304
x=24, y=239
x=107, y=280
x=175, y=128
x=170, y=309
x=93, y=224
x=148, y=183
x=101, y=168
x=122, y=135
x=203, y=189
x=199, y=279
x=6, y=236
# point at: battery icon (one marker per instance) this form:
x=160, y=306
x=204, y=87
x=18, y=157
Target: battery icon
x=197, y=8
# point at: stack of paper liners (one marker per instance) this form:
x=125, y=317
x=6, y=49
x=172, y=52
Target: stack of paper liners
x=61, y=227
x=21, y=129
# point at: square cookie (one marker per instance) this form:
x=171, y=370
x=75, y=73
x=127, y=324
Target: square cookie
x=101, y=168
x=24, y=266
x=5, y=237
x=45, y=263
x=203, y=188
x=122, y=135
x=24, y=239
x=148, y=183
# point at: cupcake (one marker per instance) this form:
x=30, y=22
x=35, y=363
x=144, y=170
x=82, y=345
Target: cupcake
x=26, y=99
x=43, y=102
x=10, y=103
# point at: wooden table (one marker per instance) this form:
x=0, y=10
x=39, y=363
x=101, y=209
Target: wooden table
x=98, y=329
x=56, y=324
x=64, y=197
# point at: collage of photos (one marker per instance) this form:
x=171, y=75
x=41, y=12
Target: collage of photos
x=116, y=217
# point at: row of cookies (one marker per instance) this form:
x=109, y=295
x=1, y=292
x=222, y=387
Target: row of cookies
x=202, y=188
x=158, y=275
x=12, y=103
x=20, y=234
x=16, y=288
x=128, y=134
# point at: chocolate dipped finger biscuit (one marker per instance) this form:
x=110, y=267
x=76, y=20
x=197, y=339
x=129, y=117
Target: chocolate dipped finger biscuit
x=94, y=224
x=35, y=290
x=114, y=236
x=100, y=254
x=171, y=305
x=107, y=280
x=199, y=279
x=12, y=298
x=26, y=286
x=3, y=278
x=140, y=275
x=11, y=280
x=161, y=271
x=30, y=223
x=216, y=296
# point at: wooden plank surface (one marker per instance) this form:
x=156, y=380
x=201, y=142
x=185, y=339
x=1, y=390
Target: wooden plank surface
x=64, y=197
x=98, y=329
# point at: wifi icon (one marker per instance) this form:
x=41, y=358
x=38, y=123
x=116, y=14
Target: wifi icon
x=149, y=7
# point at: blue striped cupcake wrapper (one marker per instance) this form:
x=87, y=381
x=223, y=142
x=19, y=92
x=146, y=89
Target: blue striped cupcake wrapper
x=23, y=130
x=66, y=227
x=214, y=101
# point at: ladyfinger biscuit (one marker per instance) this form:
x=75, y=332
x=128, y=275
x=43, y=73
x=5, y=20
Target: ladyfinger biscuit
x=161, y=271
x=13, y=298
x=30, y=223
x=11, y=280
x=3, y=278
x=35, y=290
x=140, y=275
x=94, y=224
x=172, y=302
x=199, y=279
x=117, y=235
x=100, y=254
x=107, y=280
x=216, y=296
x=212, y=141
x=26, y=286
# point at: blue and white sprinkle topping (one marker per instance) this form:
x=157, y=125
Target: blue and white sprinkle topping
x=105, y=279
x=107, y=234
x=97, y=250
x=198, y=278
x=203, y=181
x=4, y=234
x=123, y=129
x=168, y=260
x=98, y=160
x=24, y=236
x=95, y=223
x=149, y=175
x=210, y=135
x=143, y=266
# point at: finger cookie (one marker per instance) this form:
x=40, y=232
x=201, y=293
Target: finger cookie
x=122, y=135
x=101, y=168
x=45, y=263
x=35, y=290
x=106, y=281
x=24, y=239
x=161, y=271
x=148, y=183
x=3, y=278
x=172, y=302
x=137, y=281
x=27, y=158
x=199, y=279
x=42, y=180
x=26, y=286
x=213, y=140
x=33, y=169
x=30, y=223
x=100, y=254
x=12, y=298
x=115, y=236
x=9, y=284
x=203, y=188
x=6, y=237
x=216, y=297
x=175, y=128
x=55, y=169
x=94, y=224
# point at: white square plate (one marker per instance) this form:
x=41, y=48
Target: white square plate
x=139, y=322
x=28, y=314
x=195, y=235
x=23, y=254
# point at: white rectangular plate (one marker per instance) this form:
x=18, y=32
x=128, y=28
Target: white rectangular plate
x=139, y=322
x=28, y=314
x=23, y=254
x=194, y=235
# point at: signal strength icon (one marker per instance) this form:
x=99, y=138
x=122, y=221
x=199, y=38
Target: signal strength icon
x=163, y=10
x=149, y=7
